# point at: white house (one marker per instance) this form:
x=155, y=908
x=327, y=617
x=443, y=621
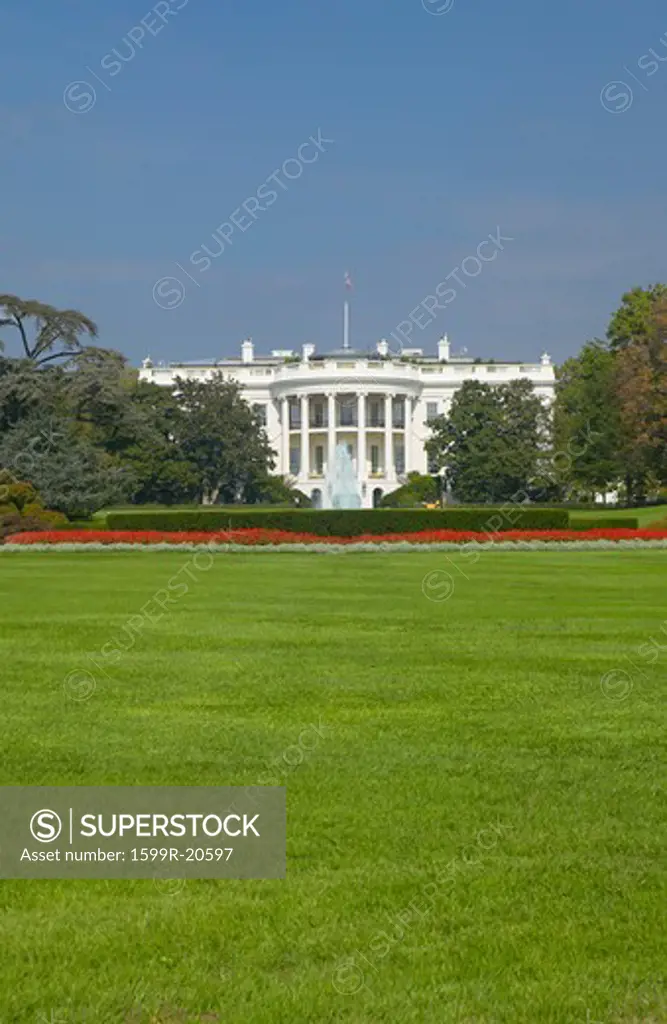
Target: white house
x=378, y=404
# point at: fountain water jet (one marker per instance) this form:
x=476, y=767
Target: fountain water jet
x=341, y=481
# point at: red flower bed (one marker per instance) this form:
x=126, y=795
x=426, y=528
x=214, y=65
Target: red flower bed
x=259, y=536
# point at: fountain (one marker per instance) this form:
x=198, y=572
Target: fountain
x=341, y=481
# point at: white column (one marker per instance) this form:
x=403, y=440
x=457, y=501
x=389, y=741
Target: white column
x=388, y=443
x=284, y=455
x=331, y=430
x=361, y=436
x=305, y=438
x=413, y=443
x=407, y=417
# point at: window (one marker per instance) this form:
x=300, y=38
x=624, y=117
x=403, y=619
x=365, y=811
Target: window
x=431, y=411
x=432, y=464
x=294, y=416
x=347, y=411
x=400, y=459
x=398, y=415
x=318, y=416
x=294, y=461
x=375, y=458
x=319, y=459
x=260, y=413
x=376, y=414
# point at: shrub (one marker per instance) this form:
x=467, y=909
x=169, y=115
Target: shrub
x=605, y=523
x=20, y=494
x=11, y=524
x=417, y=491
x=345, y=522
x=35, y=510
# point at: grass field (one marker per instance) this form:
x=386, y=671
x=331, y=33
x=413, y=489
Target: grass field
x=464, y=736
x=645, y=517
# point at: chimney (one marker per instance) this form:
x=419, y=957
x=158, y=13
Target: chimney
x=307, y=351
x=443, y=349
x=247, y=351
x=383, y=348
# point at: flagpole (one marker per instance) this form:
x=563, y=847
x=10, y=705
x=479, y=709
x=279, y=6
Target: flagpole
x=346, y=324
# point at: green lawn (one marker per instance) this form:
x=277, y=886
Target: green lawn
x=644, y=516
x=476, y=828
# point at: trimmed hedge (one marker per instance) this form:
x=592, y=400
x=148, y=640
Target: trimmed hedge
x=345, y=522
x=605, y=523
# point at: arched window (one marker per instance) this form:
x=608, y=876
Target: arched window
x=316, y=498
x=377, y=496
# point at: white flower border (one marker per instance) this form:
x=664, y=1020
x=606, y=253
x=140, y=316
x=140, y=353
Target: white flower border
x=340, y=549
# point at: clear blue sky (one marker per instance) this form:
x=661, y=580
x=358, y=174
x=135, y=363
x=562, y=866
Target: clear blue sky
x=444, y=127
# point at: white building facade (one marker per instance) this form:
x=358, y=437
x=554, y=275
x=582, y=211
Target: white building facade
x=377, y=404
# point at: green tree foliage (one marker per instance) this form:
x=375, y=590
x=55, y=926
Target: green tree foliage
x=638, y=336
x=634, y=320
x=587, y=425
x=24, y=389
x=419, y=490
x=87, y=432
x=221, y=437
x=275, y=490
x=492, y=442
x=45, y=333
x=155, y=453
x=71, y=474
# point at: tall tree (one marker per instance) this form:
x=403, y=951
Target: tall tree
x=638, y=335
x=46, y=333
x=25, y=389
x=221, y=436
x=492, y=442
x=155, y=456
x=100, y=388
x=587, y=427
x=70, y=473
x=634, y=320
x=641, y=383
